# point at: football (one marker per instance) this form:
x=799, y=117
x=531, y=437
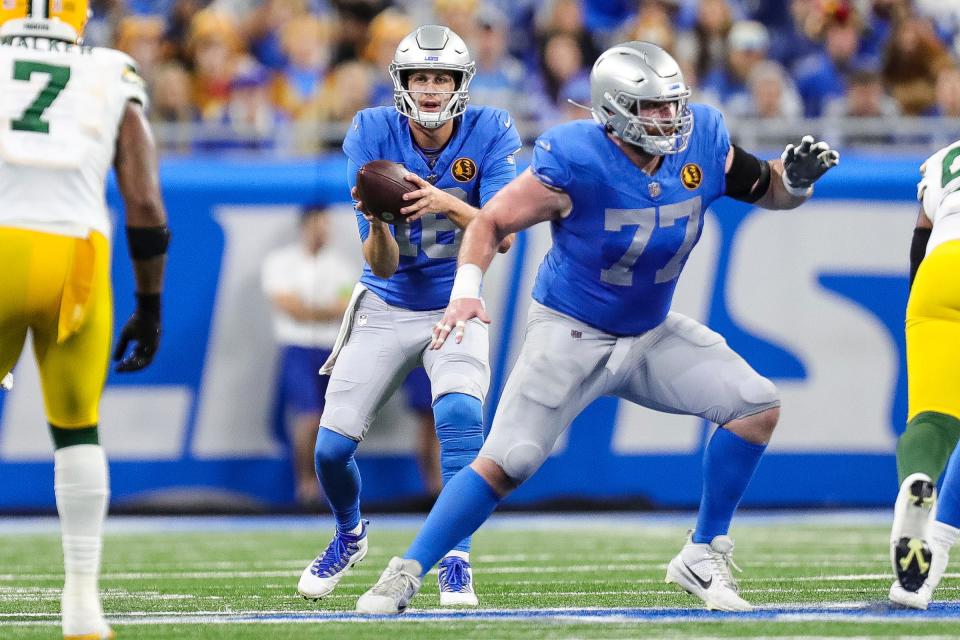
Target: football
x=381, y=186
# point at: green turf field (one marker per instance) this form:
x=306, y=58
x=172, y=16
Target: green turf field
x=574, y=578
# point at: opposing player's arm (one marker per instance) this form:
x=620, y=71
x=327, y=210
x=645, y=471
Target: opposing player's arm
x=785, y=183
x=135, y=162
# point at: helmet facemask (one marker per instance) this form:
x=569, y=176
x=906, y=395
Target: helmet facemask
x=407, y=103
x=653, y=134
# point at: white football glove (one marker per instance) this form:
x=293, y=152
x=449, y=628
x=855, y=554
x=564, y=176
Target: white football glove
x=804, y=164
x=7, y=383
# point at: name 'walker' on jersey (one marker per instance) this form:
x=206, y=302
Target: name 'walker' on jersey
x=477, y=162
x=616, y=257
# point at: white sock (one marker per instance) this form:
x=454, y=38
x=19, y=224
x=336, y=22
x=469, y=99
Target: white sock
x=81, y=487
x=463, y=555
x=944, y=534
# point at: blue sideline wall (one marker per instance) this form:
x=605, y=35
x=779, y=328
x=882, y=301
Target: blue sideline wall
x=813, y=299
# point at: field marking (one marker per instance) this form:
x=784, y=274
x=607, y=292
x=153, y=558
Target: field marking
x=619, y=568
x=864, y=612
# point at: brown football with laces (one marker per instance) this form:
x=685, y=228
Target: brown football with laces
x=381, y=186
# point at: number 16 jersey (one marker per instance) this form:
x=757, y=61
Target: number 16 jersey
x=60, y=110
x=616, y=257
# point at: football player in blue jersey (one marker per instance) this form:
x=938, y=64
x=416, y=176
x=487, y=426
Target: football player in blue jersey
x=459, y=157
x=625, y=196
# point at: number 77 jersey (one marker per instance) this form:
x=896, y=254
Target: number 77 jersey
x=616, y=257
x=60, y=110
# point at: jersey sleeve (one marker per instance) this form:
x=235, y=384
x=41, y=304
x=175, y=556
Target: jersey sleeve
x=549, y=165
x=940, y=181
x=360, y=144
x=130, y=83
x=499, y=165
x=362, y=224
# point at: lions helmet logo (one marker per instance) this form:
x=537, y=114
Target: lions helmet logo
x=464, y=169
x=691, y=176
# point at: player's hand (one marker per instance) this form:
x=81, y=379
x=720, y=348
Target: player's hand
x=358, y=206
x=142, y=330
x=804, y=164
x=426, y=199
x=506, y=243
x=459, y=312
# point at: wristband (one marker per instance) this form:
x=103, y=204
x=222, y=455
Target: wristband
x=147, y=242
x=148, y=305
x=467, y=283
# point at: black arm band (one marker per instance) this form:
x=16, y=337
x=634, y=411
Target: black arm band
x=918, y=249
x=748, y=178
x=147, y=242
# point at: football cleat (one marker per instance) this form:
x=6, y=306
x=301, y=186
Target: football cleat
x=940, y=552
x=910, y=552
x=396, y=587
x=703, y=570
x=345, y=550
x=456, y=583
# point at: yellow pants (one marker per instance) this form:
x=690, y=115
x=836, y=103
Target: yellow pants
x=58, y=287
x=933, y=334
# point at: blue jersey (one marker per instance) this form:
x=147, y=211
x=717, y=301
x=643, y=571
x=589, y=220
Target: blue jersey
x=477, y=162
x=616, y=257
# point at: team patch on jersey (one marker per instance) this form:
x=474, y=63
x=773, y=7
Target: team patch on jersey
x=691, y=176
x=463, y=169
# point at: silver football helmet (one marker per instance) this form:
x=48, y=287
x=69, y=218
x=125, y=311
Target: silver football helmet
x=432, y=47
x=634, y=75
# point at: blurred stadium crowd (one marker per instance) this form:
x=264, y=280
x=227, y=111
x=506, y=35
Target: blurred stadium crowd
x=287, y=76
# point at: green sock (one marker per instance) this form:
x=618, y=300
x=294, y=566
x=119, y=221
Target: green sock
x=926, y=445
x=69, y=437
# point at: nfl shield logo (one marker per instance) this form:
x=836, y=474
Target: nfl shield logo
x=362, y=320
x=654, y=189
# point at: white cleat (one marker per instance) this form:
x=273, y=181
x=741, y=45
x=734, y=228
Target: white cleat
x=941, y=537
x=396, y=587
x=325, y=572
x=455, y=578
x=703, y=570
x=910, y=553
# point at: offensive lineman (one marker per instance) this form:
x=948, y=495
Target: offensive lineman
x=66, y=112
x=920, y=550
x=459, y=157
x=625, y=197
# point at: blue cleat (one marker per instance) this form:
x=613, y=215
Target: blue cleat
x=345, y=550
x=456, y=582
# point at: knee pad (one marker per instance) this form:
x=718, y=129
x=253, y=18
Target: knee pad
x=522, y=460
x=759, y=391
x=333, y=448
x=462, y=375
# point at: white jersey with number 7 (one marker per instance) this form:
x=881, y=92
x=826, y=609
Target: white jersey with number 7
x=60, y=110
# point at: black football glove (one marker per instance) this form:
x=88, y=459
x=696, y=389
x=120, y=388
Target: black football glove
x=803, y=165
x=143, y=330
